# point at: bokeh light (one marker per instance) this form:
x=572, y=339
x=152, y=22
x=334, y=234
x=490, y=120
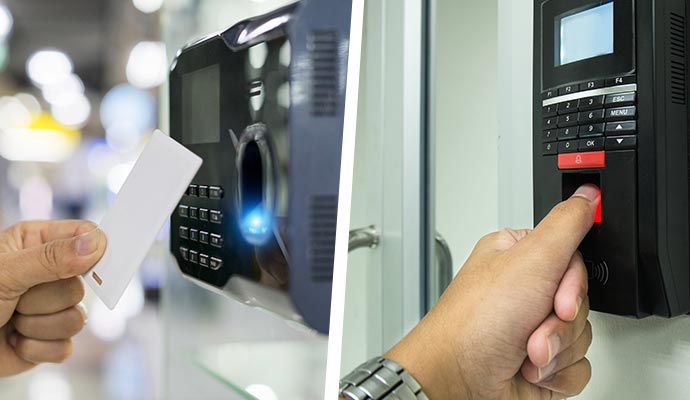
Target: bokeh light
x=127, y=113
x=118, y=175
x=48, y=66
x=13, y=113
x=48, y=384
x=147, y=66
x=148, y=6
x=42, y=140
x=6, y=22
x=75, y=112
x=262, y=392
x=126, y=103
x=64, y=91
x=30, y=102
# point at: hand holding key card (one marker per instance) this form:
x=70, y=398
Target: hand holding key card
x=40, y=288
x=145, y=201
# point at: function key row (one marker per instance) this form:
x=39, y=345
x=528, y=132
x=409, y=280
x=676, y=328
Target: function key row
x=610, y=143
x=210, y=192
x=590, y=103
x=587, y=117
x=202, y=237
x=590, y=130
x=202, y=214
x=201, y=259
x=589, y=85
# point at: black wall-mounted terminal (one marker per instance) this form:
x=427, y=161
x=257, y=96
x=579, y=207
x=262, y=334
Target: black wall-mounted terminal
x=263, y=104
x=611, y=108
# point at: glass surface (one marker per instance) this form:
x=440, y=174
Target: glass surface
x=201, y=106
x=586, y=34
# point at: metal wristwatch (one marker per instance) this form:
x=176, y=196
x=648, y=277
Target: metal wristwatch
x=380, y=379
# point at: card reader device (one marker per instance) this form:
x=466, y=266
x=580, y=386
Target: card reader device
x=262, y=103
x=611, y=108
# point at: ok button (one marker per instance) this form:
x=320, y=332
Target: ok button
x=592, y=144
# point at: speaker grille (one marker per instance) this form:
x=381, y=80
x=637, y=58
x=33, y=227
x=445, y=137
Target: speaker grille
x=677, y=58
x=323, y=49
x=322, y=219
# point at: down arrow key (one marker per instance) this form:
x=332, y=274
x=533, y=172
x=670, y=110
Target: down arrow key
x=621, y=142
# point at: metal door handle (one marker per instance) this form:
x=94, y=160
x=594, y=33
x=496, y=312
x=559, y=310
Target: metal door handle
x=363, y=237
x=444, y=269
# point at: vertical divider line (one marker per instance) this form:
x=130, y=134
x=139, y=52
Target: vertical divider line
x=335, y=340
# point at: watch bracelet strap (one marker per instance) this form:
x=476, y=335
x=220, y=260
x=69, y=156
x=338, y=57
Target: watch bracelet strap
x=381, y=379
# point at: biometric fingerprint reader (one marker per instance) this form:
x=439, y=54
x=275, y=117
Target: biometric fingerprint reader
x=610, y=108
x=262, y=104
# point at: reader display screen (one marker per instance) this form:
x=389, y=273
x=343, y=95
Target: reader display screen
x=584, y=35
x=201, y=106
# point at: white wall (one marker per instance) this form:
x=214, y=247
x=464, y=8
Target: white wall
x=465, y=122
x=631, y=359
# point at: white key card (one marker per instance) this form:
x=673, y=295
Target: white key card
x=148, y=197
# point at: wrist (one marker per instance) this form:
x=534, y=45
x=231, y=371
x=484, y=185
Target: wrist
x=432, y=361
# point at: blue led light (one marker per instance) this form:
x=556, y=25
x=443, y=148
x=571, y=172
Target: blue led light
x=256, y=226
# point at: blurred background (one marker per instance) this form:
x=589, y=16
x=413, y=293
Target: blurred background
x=82, y=87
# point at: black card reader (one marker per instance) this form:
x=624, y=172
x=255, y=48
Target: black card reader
x=610, y=108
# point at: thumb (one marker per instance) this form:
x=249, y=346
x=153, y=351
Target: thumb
x=55, y=260
x=553, y=242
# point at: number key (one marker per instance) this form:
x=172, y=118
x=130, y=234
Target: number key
x=567, y=120
x=567, y=107
x=589, y=103
x=591, y=130
x=592, y=116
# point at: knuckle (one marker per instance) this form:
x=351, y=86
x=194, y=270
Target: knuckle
x=25, y=350
x=578, y=380
x=76, y=322
x=50, y=258
x=488, y=239
x=75, y=291
x=588, y=336
x=64, y=351
x=20, y=322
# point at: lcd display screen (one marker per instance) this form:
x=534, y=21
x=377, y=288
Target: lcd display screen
x=201, y=106
x=584, y=35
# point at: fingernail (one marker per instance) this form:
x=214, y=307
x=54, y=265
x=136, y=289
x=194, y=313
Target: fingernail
x=554, y=344
x=12, y=339
x=578, y=305
x=588, y=191
x=82, y=310
x=544, y=373
x=88, y=242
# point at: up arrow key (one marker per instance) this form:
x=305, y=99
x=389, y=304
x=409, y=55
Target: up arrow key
x=624, y=127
